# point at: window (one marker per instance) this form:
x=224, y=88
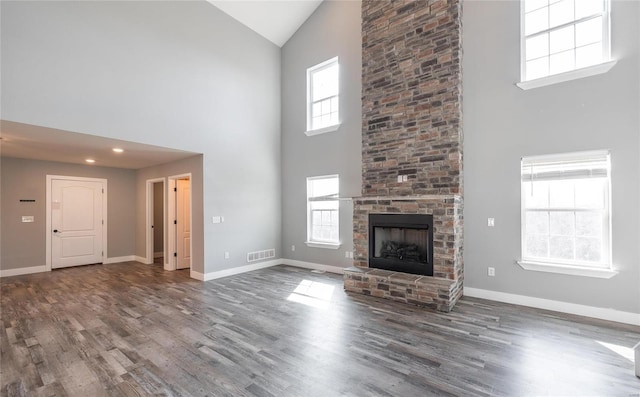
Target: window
x=566, y=210
x=323, y=90
x=561, y=36
x=323, y=211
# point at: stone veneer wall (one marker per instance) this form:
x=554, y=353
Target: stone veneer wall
x=411, y=99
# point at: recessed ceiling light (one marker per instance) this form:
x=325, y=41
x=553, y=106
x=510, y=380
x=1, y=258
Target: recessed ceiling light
x=90, y=161
x=117, y=150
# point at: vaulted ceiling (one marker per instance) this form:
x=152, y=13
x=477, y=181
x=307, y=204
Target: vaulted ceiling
x=276, y=21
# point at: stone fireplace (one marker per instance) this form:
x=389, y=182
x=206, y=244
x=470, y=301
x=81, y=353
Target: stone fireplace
x=411, y=145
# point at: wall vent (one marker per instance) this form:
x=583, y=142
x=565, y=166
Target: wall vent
x=261, y=255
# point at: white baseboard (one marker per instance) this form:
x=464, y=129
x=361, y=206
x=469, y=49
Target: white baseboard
x=22, y=270
x=558, y=306
x=120, y=259
x=313, y=266
x=262, y=265
x=170, y=267
x=158, y=254
x=198, y=275
x=194, y=274
x=235, y=270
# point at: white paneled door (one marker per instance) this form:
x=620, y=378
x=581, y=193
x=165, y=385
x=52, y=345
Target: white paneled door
x=183, y=204
x=76, y=222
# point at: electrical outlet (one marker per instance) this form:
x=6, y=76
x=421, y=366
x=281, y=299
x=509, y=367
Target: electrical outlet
x=491, y=271
x=293, y=248
x=346, y=254
x=226, y=255
x=491, y=222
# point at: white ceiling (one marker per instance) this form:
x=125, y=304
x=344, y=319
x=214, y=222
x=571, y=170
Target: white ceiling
x=275, y=20
x=41, y=143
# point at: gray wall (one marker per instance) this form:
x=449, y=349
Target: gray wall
x=178, y=74
x=333, y=30
x=23, y=244
x=158, y=217
x=192, y=165
x=503, y=123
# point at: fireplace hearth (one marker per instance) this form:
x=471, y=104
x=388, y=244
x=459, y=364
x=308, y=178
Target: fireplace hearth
x=401, y=243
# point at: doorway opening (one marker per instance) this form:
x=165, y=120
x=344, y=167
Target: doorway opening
x=156, y=222
x=180, y=217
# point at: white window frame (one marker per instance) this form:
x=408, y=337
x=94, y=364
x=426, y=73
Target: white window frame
x=330, y=244
x=310, y=72
x=600, y=68
x=553, y=265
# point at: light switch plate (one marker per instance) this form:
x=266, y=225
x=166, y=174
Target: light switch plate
x=27, y=218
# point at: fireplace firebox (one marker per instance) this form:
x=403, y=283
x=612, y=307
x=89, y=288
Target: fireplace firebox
x=401, y=242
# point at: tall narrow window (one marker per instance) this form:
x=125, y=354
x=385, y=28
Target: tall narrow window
x=323, y=91
x=566, y=210
x=563, y=35
x=323, y=210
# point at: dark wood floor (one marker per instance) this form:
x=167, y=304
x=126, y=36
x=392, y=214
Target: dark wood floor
x=133, y=330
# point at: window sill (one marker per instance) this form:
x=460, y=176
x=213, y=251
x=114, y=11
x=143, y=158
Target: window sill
x=567, y=76
x=323, y=130
x=565, y=269
x=315, y=244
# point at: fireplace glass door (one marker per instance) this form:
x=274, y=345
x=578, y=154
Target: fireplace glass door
x=401, y=242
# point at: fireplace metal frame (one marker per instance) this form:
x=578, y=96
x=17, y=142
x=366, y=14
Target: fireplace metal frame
x=408, y=221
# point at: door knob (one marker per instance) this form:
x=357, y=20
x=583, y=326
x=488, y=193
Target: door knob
x=55, y=230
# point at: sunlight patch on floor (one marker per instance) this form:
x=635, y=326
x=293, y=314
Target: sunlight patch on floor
x=312, y=293
x=625, y=352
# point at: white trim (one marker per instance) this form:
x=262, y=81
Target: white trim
x=568, y=157
x=140, y=259
x=310, y=71
x=564, y=269
x=262, y=265
x=119, y=259
x=193, y=274
x=323, y=130
x=316, y=244
x=48, y=232
x=233, y=271
x=150, y=204
x=321, y=244
x=567, y=76
x=171, y=203
x=313, y=266
x=558, y=306
x=573, y=266
x=23, y=270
